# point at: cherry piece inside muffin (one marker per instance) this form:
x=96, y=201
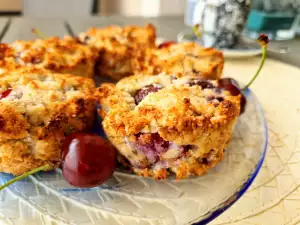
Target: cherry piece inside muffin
x=5, y=93
x=152, y=145
x=157, y=150
x=142, y=93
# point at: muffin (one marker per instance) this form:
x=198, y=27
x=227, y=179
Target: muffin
x=167, y=123
x=37, y=110
x=66, y=55
x=121, y=49
x=187, y=58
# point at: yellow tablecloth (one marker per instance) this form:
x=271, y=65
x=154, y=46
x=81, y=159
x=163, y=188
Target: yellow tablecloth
x=274, y=197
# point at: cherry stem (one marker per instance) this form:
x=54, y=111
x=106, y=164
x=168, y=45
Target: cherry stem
x=38, y=33
x=196, y=30
x=44, y=167
x=263, y=58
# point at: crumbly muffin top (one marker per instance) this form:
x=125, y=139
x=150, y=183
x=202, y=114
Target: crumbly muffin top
x=112, y=36
x=40, y=94
x=170, y=105
x=187, y=58
x=52, y=53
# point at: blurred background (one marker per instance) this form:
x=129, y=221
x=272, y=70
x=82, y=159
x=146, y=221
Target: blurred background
x=278, y=18
x=103, y=7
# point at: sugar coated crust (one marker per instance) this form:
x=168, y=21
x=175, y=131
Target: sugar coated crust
x=195, y=120
x=40, y=108
x=67, y=55
x=186, y=58
x=121, y=49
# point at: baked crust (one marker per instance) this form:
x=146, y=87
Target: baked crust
x=180, y=113
x=66, y=55
x=129, y=50
x=188, y=58
x=41, y=108
x=122, y=49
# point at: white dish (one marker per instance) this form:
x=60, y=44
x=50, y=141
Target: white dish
x=238, y=53
x=245, y=49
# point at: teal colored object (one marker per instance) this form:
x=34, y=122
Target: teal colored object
x=270, y=21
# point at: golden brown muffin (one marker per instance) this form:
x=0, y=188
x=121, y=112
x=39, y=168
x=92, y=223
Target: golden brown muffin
x=188, y=58
x=129, y=50
x=168, y=123
x=37, y=109
x=66, y=55
x=122, y=49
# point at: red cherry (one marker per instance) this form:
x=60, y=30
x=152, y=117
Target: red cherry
x=5, y=93
x=166, y=44
x=223, y=82
x=231, y=85
x=243, y=103
x=88, y=160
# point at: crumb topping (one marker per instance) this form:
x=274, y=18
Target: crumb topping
x=177, y=107
x=55, y=54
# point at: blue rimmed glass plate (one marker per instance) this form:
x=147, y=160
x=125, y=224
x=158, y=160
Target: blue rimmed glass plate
x=129, y=199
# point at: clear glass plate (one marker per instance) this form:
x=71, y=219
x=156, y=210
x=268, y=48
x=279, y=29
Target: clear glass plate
x=129, y=199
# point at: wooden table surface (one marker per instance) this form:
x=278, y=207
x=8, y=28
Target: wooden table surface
x=16, y=28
